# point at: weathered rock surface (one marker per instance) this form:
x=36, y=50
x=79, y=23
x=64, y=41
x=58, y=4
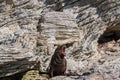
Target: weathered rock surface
x=98, y=24
x=61, y=78
x=56, y=28
x=18, y=34
x=30, y=30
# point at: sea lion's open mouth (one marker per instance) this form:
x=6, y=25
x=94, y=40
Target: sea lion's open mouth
x=63, y=50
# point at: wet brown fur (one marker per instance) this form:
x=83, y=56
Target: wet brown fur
x=58, y=63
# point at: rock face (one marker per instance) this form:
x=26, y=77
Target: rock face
x=55, y=28
x=30, y=30
x=18, y=34
x=61, y=78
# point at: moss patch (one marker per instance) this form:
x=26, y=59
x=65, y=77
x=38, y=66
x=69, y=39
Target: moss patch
x=34, y=75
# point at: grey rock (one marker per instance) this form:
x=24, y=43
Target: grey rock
x=30, y=30
x=18, y=36
x=61, y=78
